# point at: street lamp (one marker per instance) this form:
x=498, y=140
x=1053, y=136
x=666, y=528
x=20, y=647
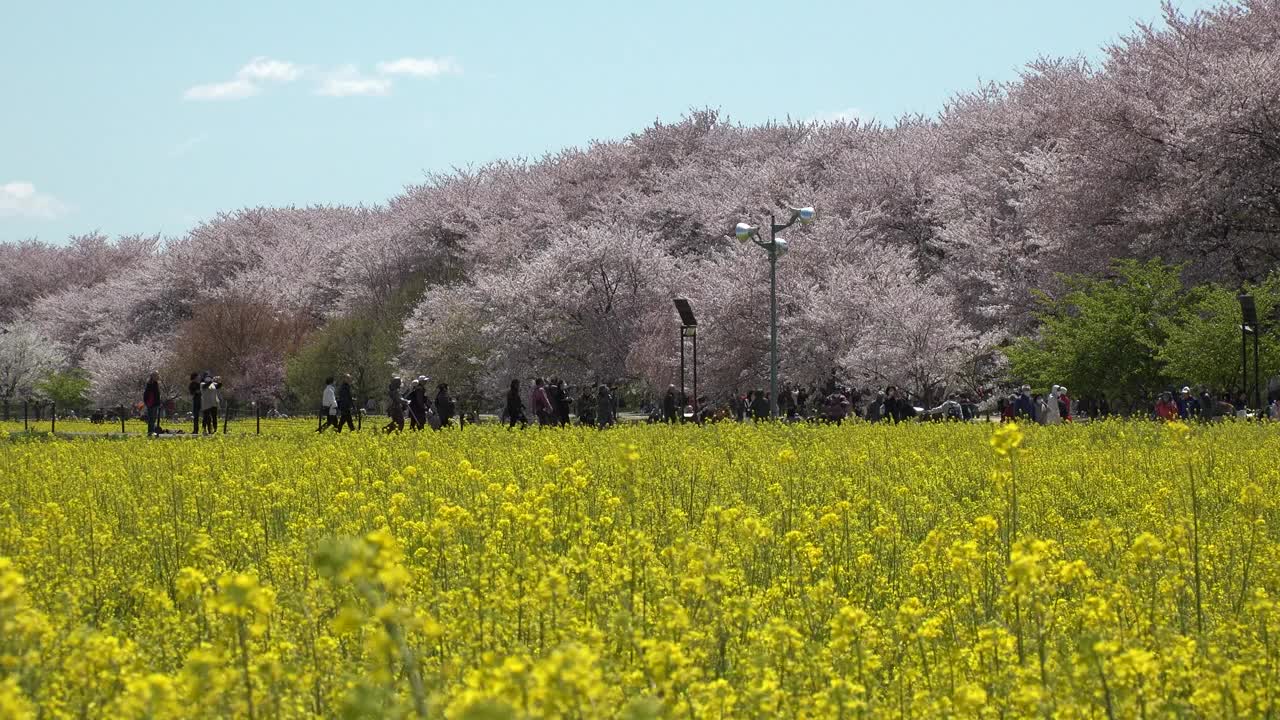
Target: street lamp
x=1249, y=326
x=776, y=247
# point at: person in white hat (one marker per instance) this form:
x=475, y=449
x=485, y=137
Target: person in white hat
x=418, y=403
x=1052, y=414
x=1188, y=405
x=1024, y=405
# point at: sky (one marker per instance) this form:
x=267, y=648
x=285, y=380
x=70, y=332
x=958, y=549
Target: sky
x=150, y=117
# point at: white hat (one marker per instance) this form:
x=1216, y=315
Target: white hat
x=422, y=378
x=1186, y=389
x=1062, y=389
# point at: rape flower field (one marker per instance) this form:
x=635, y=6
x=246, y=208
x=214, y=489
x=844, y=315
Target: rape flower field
x=1111, y=570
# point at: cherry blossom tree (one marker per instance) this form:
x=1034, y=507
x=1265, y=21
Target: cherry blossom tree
x=26, y=359
x=117, y=376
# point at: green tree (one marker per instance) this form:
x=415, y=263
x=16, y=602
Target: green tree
x=67, y=389
x=1104, y=335
x=363, y=342
x=1202, y=345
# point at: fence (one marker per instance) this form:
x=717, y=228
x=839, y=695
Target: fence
x=233, y=419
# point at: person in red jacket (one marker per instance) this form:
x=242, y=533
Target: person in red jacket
x=1166, y=408
x=541, y=403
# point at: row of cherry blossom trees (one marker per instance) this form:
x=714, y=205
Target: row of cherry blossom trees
x=932, y=237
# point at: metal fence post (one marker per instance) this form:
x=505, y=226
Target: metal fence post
x=53, y=417
x=257, y=419
x=121, y=419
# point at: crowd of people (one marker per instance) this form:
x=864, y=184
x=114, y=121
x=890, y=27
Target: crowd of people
x=551, y=403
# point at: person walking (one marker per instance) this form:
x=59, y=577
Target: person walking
x=875, y=409
x=1166, y=408
x=1025, y=406
x=445, y=407
x=193, y=389
x=541, y=403
x=669, y=405
x=1051, y=414
x=418, y=403
x=1188, y=405
x=559, y=402
x=835, y=406
x=586, y=407
x=605, y=408
x=787, y=405
x=151, y=401
x=514, y=410
x=346, y=404
x=210, y=399
x=395, y=407
x=328, y=406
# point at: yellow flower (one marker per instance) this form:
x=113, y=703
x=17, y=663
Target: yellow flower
x=1006, y=439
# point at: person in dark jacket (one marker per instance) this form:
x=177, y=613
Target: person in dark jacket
x=514, y=410
x=759, y=406
x=346, y=403
x=875, y=409
x=395, y=406
x=835, y=407
x=151, y=400
x=1025, y=406
x=897, y=407
x=669, y=405
x=605, y=408
x=418, y=403
x=445, y=407
x=787, y=405
x=1188, y=405
x=559, y=406
x=193, y=388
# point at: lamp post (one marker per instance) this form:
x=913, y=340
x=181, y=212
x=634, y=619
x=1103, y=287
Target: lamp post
x=688, y=330
x=775, y=246
x=1249, y=326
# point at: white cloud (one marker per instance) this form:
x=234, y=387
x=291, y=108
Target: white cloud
x=21, y=199
x=347, y=80
x=263, y=68
x=230, y=90
x=847, y=115
x=247, y=82
x=421, y=67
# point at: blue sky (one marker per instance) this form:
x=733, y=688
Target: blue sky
x=135, y=116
